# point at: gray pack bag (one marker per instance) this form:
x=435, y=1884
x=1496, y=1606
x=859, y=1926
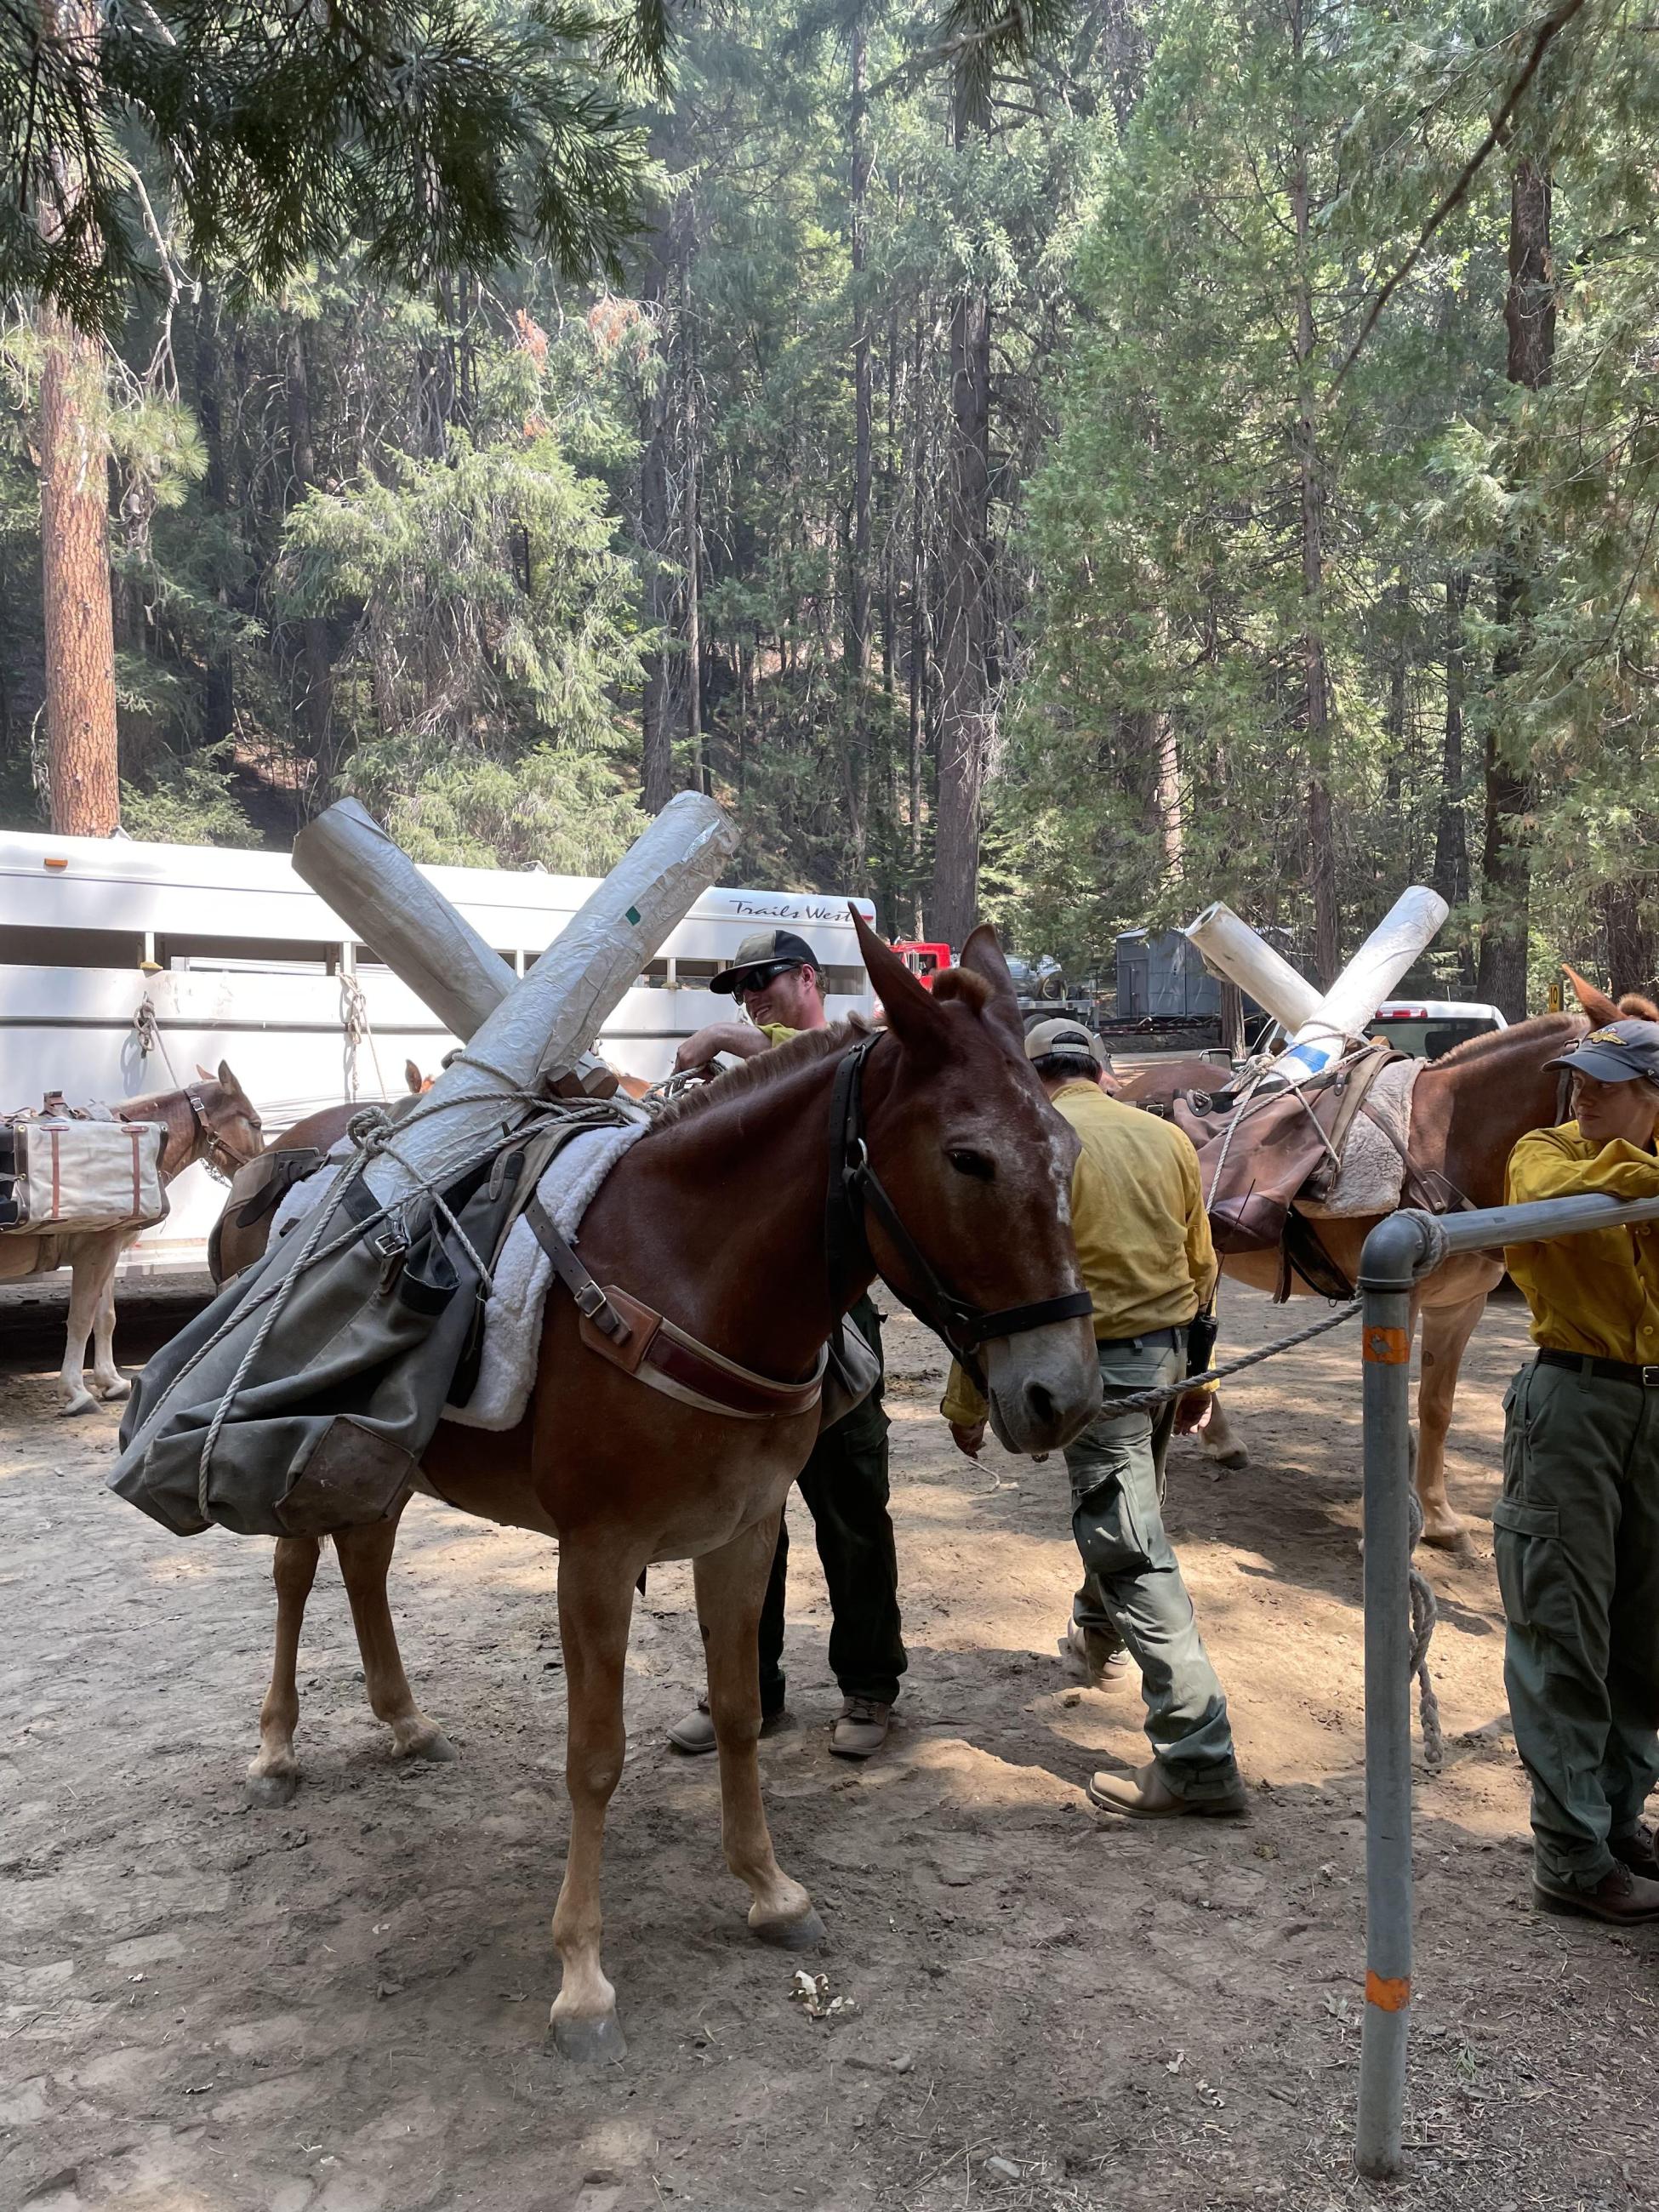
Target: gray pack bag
x=339, y=1401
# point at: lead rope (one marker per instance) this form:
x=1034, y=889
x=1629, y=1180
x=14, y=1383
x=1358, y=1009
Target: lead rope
x=1425, y=1612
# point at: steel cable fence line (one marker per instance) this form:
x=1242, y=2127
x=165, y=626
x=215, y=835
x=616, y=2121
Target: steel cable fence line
x=1398, y=1253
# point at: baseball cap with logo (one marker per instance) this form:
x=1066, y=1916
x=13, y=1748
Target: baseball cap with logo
x=1064, y=1039
x=763, y=954
x=1616, y=1053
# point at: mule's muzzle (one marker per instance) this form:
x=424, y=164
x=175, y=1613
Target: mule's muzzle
x=1044, y=1385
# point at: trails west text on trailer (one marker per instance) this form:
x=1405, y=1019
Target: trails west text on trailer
x=123, y=965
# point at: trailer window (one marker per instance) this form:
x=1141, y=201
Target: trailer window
x=69, y=948
x=293, y=954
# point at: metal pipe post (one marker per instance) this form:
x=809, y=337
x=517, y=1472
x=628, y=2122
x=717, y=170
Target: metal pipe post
x=1393, y=1253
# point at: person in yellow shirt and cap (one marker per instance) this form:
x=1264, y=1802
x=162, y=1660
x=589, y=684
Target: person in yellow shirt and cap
x=1143, y=1243
x=1576, y=1532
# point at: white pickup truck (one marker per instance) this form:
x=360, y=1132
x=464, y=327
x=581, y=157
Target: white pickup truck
x=1426, y=1028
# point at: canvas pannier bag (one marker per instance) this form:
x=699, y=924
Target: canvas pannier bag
x=335, y=1406
x=59, y=1176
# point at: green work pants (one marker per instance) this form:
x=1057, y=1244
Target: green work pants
x=1577, y=1538
x=845, y=1486
x=1131, y=1585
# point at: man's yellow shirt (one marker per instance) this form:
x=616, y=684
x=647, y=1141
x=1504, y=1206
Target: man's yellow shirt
x=1597, y=1293
x=1143, y=1237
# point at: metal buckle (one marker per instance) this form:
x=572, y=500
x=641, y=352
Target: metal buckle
x=1650, y=1378
x=392, y=1238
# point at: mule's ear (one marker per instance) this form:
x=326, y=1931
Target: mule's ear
x=982, y=956
x=1596, y=1004
x=412, y=1077
x=913, y=1018
x=228, y=1079
x=206, y=1073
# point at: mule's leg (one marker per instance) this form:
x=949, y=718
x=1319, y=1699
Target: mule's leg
x=85, y=1289
x=595, y=1604
x=107, y=1378
x=273, y=1775
x=1446, y=1332
x=731, y=1586
x=365, y=1555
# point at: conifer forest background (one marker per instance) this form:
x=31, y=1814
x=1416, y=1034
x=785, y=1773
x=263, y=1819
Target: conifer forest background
x=1051, y=463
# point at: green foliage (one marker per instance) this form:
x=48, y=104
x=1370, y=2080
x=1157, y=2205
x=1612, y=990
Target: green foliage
x=187, y=802
x=437, y=134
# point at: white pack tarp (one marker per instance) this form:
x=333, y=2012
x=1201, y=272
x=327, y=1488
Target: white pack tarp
x=73, y=1176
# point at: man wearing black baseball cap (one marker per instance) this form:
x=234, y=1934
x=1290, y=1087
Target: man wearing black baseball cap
x=845, y=1482
x=777, y=977
x=1576, y=1532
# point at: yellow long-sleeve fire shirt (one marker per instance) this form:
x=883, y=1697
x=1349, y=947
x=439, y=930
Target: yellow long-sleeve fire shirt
x=1143, y=1237
x=1597, y=1293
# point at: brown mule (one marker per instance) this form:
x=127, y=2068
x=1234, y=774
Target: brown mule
x=1468, y=1111
x=719, y=1218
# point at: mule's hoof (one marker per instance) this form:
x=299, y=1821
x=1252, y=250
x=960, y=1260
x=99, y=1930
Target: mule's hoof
x=432, y=1744
x=273, y=1788
x=113, y=1393
x=597, y=2042
x=86, y=1403
x=804, y=1933
x=1454, y=1542
x=1234, y=1462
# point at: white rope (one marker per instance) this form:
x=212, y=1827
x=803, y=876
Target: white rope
x=1147, y=1401
x=1425, y=1612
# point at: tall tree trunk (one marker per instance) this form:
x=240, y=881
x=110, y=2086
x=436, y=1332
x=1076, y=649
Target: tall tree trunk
x=1626, y=910
x=1451, y=851
x=691, y=425
x=1315, y=678
x=656, y=526
x=219, y=701
x=856, y=651
x=316, y=667
x=964, y=734
x=82, y=762
x=82, y=767
x=917, y=652
x=1505, y=859
x=1167, y=757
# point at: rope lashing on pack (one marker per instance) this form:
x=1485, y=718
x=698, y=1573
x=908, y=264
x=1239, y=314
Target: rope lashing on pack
x=355, y=1022
x=1148, y=1401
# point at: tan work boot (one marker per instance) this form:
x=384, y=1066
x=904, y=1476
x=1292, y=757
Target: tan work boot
x=1143, y=1794
x=860, y=1727
x=1101, y=1659
x=695, y=1734
x=1619, y=1896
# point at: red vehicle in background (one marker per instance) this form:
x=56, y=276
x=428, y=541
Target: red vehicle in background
x=925, y=960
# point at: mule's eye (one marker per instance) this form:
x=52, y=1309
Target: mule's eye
x=972, y=1163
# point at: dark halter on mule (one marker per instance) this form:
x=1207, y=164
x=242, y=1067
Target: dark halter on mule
x=643, y=1344
x=855, y=1189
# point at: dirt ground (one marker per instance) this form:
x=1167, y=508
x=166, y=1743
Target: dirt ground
x=340, y=2006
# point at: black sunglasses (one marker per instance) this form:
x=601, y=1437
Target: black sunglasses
x=757, y=979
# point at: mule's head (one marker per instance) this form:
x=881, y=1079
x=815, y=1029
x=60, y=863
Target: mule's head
x=233, y=1123
x=978, y=1166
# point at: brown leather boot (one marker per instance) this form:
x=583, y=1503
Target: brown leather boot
x=1620, y=1897
x=1143, y=1794
x=695, y=1734
x=860, y=1727
x=1102, y=1659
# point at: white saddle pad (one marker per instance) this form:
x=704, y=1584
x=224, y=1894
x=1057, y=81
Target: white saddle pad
x=1373, y=1169
x=512, y=1318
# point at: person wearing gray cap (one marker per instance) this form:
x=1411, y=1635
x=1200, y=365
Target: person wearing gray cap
x=1576, y=1532
x=1143, y=1250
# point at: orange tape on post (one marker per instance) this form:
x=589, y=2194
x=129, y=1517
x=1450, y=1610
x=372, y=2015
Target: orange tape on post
x=1387, y=1993
x=1387, y=1347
